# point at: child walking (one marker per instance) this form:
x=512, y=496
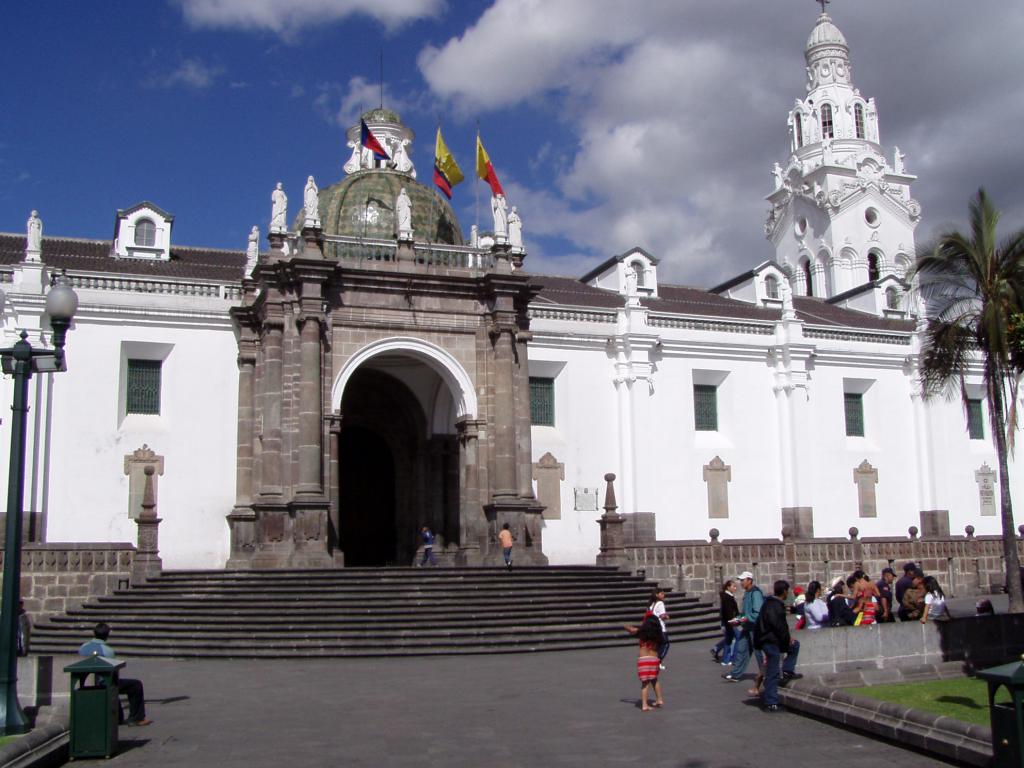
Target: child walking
x=648, y=664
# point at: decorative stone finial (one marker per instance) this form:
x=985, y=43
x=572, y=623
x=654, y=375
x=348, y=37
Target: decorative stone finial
x=609, y=495
x=34, y=241
x=854, y=532
x=279, y=209
x=714, y=534
x=912, y=530
x=969, y=530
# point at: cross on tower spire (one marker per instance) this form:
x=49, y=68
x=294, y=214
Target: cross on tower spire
x=823, y=3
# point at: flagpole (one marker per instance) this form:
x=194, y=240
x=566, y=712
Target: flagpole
x=476, y=184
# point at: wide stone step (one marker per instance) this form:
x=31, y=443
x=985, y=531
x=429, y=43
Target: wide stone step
x=373, y=612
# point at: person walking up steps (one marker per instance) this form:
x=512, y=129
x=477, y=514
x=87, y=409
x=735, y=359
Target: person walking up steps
x=505, y=539
x=428, y=546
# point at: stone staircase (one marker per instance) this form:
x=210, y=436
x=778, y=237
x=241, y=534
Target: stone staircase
x=372, y=612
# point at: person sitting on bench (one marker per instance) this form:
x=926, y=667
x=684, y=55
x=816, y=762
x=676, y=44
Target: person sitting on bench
x=130, y=688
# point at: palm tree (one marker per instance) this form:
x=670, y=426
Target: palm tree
x=973, y=288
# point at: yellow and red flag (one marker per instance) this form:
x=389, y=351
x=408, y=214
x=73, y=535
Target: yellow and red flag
x=485, y=170
x=446, y=171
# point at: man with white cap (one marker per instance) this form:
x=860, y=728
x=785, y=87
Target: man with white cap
x=753, y=599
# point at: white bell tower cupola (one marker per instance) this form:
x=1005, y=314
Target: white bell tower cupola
x=841, y=213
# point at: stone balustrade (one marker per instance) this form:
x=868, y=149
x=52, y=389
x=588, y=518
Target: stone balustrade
x=964, y=565
x=59, y=577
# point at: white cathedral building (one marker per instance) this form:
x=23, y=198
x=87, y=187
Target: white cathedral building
x=786, y=396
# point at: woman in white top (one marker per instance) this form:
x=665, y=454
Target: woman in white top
x=815, y=609
x=934, y=601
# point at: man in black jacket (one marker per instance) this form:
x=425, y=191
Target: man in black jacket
x=771, y=636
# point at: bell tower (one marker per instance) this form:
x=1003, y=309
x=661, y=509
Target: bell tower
x=841, y=212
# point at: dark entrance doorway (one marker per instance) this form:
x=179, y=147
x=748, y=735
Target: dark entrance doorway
x=367, y=481
x=395, y=472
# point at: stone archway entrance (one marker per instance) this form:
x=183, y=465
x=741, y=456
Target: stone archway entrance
x=398, y=463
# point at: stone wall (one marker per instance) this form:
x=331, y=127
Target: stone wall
x=58, y=577
x=977, y=641
x=964, y=565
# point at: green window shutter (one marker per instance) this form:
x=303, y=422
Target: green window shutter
x=854, y=402
x=542, y=402
x=705, y=407
x=143, y=386
x=975, y=420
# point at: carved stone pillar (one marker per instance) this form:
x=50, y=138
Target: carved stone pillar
x=270, y=466
x=241, y=519
x=310, y=409
x=524, y=461
x=334, y=430
x=505, y=455
x=472, y=523
x=146, y=564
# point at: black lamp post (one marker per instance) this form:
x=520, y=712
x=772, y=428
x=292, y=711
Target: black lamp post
x=22, y=361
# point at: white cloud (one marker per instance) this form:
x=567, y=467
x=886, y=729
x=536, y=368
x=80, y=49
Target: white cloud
x=343, y=104
x=287, y=17
x=190, y=73
x=675, y=112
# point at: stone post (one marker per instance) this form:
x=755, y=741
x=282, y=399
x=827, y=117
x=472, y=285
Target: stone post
x=856, y=549
x=334, y=430
x=505, y=455
x=146, y=564
x=612, y=550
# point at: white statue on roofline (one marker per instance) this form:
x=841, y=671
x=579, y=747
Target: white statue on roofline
x=34, y=241
x=311, y=201
x=279, y=209
x=500, y=210
x=515, y=231
x=403, y=215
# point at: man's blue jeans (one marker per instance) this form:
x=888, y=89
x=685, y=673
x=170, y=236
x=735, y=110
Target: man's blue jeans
x=772, y=657
x=741, y=655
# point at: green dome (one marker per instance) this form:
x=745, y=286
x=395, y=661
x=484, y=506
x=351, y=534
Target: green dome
x=363, y=205
x=381, y=115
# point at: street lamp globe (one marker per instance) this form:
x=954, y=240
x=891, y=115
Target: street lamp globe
x=61, y=301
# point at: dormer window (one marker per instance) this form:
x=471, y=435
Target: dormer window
x=827, y=129
x=892, y=298
x=858, y=119
x=771, y=287
x=145, y=233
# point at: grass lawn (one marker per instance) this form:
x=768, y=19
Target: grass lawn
x=963, y=698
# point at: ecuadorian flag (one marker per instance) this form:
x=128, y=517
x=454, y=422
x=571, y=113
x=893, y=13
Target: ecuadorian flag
x=370, y=142
x=485, y=170
x=446, y=171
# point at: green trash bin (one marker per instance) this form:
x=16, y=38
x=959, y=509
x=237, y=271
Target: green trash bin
x=94, y=708
x=1007, y=718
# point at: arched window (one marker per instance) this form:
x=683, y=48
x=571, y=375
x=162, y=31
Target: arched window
x=858, y=119
x=771, y=287
x=145, y=233
x=798, y=127
x=892, y=298
x=827, y=130
x=808, y=281
x=638, y=270
x=873, y=266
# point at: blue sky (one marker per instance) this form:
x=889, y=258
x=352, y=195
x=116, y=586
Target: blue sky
x=609, y=128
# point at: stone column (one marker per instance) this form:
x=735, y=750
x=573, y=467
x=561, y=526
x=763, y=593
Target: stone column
x=270, y=482
x=505, y=455
x=246, y=408
x=623, y=387
x=472, y=525
x=146, y=564
x=310, y=413
x=524, y=463
x=334, y=430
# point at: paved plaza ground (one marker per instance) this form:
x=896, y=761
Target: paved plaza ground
x=547, y=709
